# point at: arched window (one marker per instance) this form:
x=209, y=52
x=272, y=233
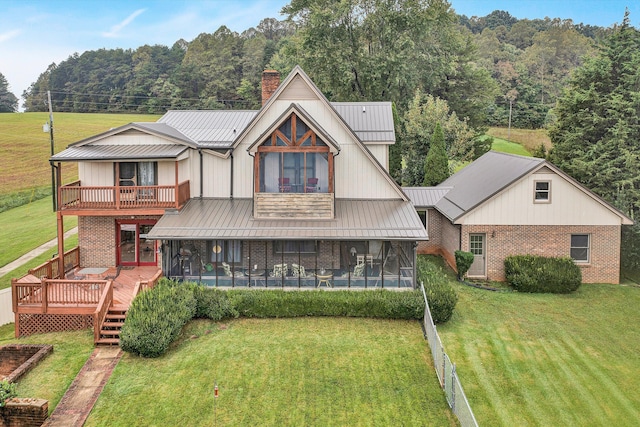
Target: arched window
x=293, y=159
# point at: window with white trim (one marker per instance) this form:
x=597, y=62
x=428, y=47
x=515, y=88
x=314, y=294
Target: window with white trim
x=580, y=247
x=543, y=192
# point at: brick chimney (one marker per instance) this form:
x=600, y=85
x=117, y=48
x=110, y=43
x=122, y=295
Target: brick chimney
x=270, y=82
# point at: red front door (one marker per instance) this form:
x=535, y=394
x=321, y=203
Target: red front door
x=133, y=247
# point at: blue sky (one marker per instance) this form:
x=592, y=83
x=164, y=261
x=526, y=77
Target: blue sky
x=35, y=33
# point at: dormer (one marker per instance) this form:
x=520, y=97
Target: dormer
x=293, y=171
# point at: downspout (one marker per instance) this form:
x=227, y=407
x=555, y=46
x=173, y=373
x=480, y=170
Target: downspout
x=231, y=180
x=201, y=172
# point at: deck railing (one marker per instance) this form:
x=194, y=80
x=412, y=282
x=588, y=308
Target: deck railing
x=102, y=309
x=49, y=269
x=76, y=196
x=58, y=292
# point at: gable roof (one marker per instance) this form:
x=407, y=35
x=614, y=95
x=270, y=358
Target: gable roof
x=306, y=118
x=480, y=180
x=484, y=178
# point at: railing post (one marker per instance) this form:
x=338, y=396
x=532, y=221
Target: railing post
x=45, y=298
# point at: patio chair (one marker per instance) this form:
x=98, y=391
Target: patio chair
x=227, y=271
x=312, y=185
x=279, y=270
x=358, y=271
x=284, y=185
x=298, y=271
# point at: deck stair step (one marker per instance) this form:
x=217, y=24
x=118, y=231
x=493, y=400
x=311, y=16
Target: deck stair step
x=110, y=328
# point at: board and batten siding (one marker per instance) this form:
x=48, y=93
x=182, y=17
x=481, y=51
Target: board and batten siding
x=96, y=174
x=216, y=175
x=515, y=206
x=133, y=137
x=356, y=176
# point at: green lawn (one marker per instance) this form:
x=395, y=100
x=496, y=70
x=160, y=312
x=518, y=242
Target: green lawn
x=505, y=146
x=51, y=378
x=25, y=149
x=533, y=359
x=281, y=372
x=27, y=227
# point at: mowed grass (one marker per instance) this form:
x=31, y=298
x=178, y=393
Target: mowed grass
x=533, y=359
x=5, y=281
x=530, y=139
x=25, y=149
x=281, y=372
x=52, y=376
x=505, y=146
x=27, y=227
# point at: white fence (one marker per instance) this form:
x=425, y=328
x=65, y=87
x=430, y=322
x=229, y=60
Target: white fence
x=6, y=309
x=446, y=371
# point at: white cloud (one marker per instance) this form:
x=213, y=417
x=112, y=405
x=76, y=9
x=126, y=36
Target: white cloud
x=116, y=28
x=9, y=35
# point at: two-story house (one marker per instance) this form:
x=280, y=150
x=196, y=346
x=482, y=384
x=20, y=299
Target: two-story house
x=294, y=194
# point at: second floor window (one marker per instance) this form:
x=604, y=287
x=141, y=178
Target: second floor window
x=293, y=159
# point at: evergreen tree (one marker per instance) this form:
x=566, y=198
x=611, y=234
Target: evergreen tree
x=597, y=135
x=436, y=165
x=8, y=101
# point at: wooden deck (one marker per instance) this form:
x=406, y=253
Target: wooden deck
x=79, y=299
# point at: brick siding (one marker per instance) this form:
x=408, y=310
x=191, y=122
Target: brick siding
x=444, y=238
x=97, y=239
x=604, y=264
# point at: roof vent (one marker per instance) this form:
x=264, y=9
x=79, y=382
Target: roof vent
x=364, y=109
x=234, y=130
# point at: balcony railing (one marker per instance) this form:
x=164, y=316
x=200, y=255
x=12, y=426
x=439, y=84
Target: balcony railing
x=74, y=196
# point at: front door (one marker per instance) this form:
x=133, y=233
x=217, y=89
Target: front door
x=478, y=248
x=133, y=246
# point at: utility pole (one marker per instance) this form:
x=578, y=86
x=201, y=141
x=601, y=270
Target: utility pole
x=54, y=196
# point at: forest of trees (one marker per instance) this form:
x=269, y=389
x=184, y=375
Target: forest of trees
x=360, y=50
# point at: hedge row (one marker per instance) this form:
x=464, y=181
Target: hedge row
x=532, y=273
x=440, y=294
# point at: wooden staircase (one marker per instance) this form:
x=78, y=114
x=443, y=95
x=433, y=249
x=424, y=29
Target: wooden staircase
x=110, y=328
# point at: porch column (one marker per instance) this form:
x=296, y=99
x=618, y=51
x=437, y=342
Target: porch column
x=60, y=245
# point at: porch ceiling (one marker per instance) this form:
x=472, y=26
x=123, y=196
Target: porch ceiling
x=202, y=219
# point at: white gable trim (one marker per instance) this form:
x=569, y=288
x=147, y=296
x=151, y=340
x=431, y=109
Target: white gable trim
x=132, y=126
x=306, y=118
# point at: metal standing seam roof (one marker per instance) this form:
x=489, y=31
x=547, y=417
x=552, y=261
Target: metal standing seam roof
x=425, y=197
x=479, y=181
x=209, y=128
x=119, y=152
x=371, y=121
x=233, y=219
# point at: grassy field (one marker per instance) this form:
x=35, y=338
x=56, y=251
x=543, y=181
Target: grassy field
x=51, y=378
x=25, y=149
x=28, y=227
x=533, y=359
x=505, y=146
x=530, y=139
x=281, y=372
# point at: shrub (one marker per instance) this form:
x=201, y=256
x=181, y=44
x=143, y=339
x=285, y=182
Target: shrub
x=532, y=273
x=7, y=391
x=463, y=263
x=377, y=304
x=156, y=318
x=441, y=296
x=213, y=304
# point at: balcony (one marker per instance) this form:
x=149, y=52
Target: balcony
x=75, y=199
